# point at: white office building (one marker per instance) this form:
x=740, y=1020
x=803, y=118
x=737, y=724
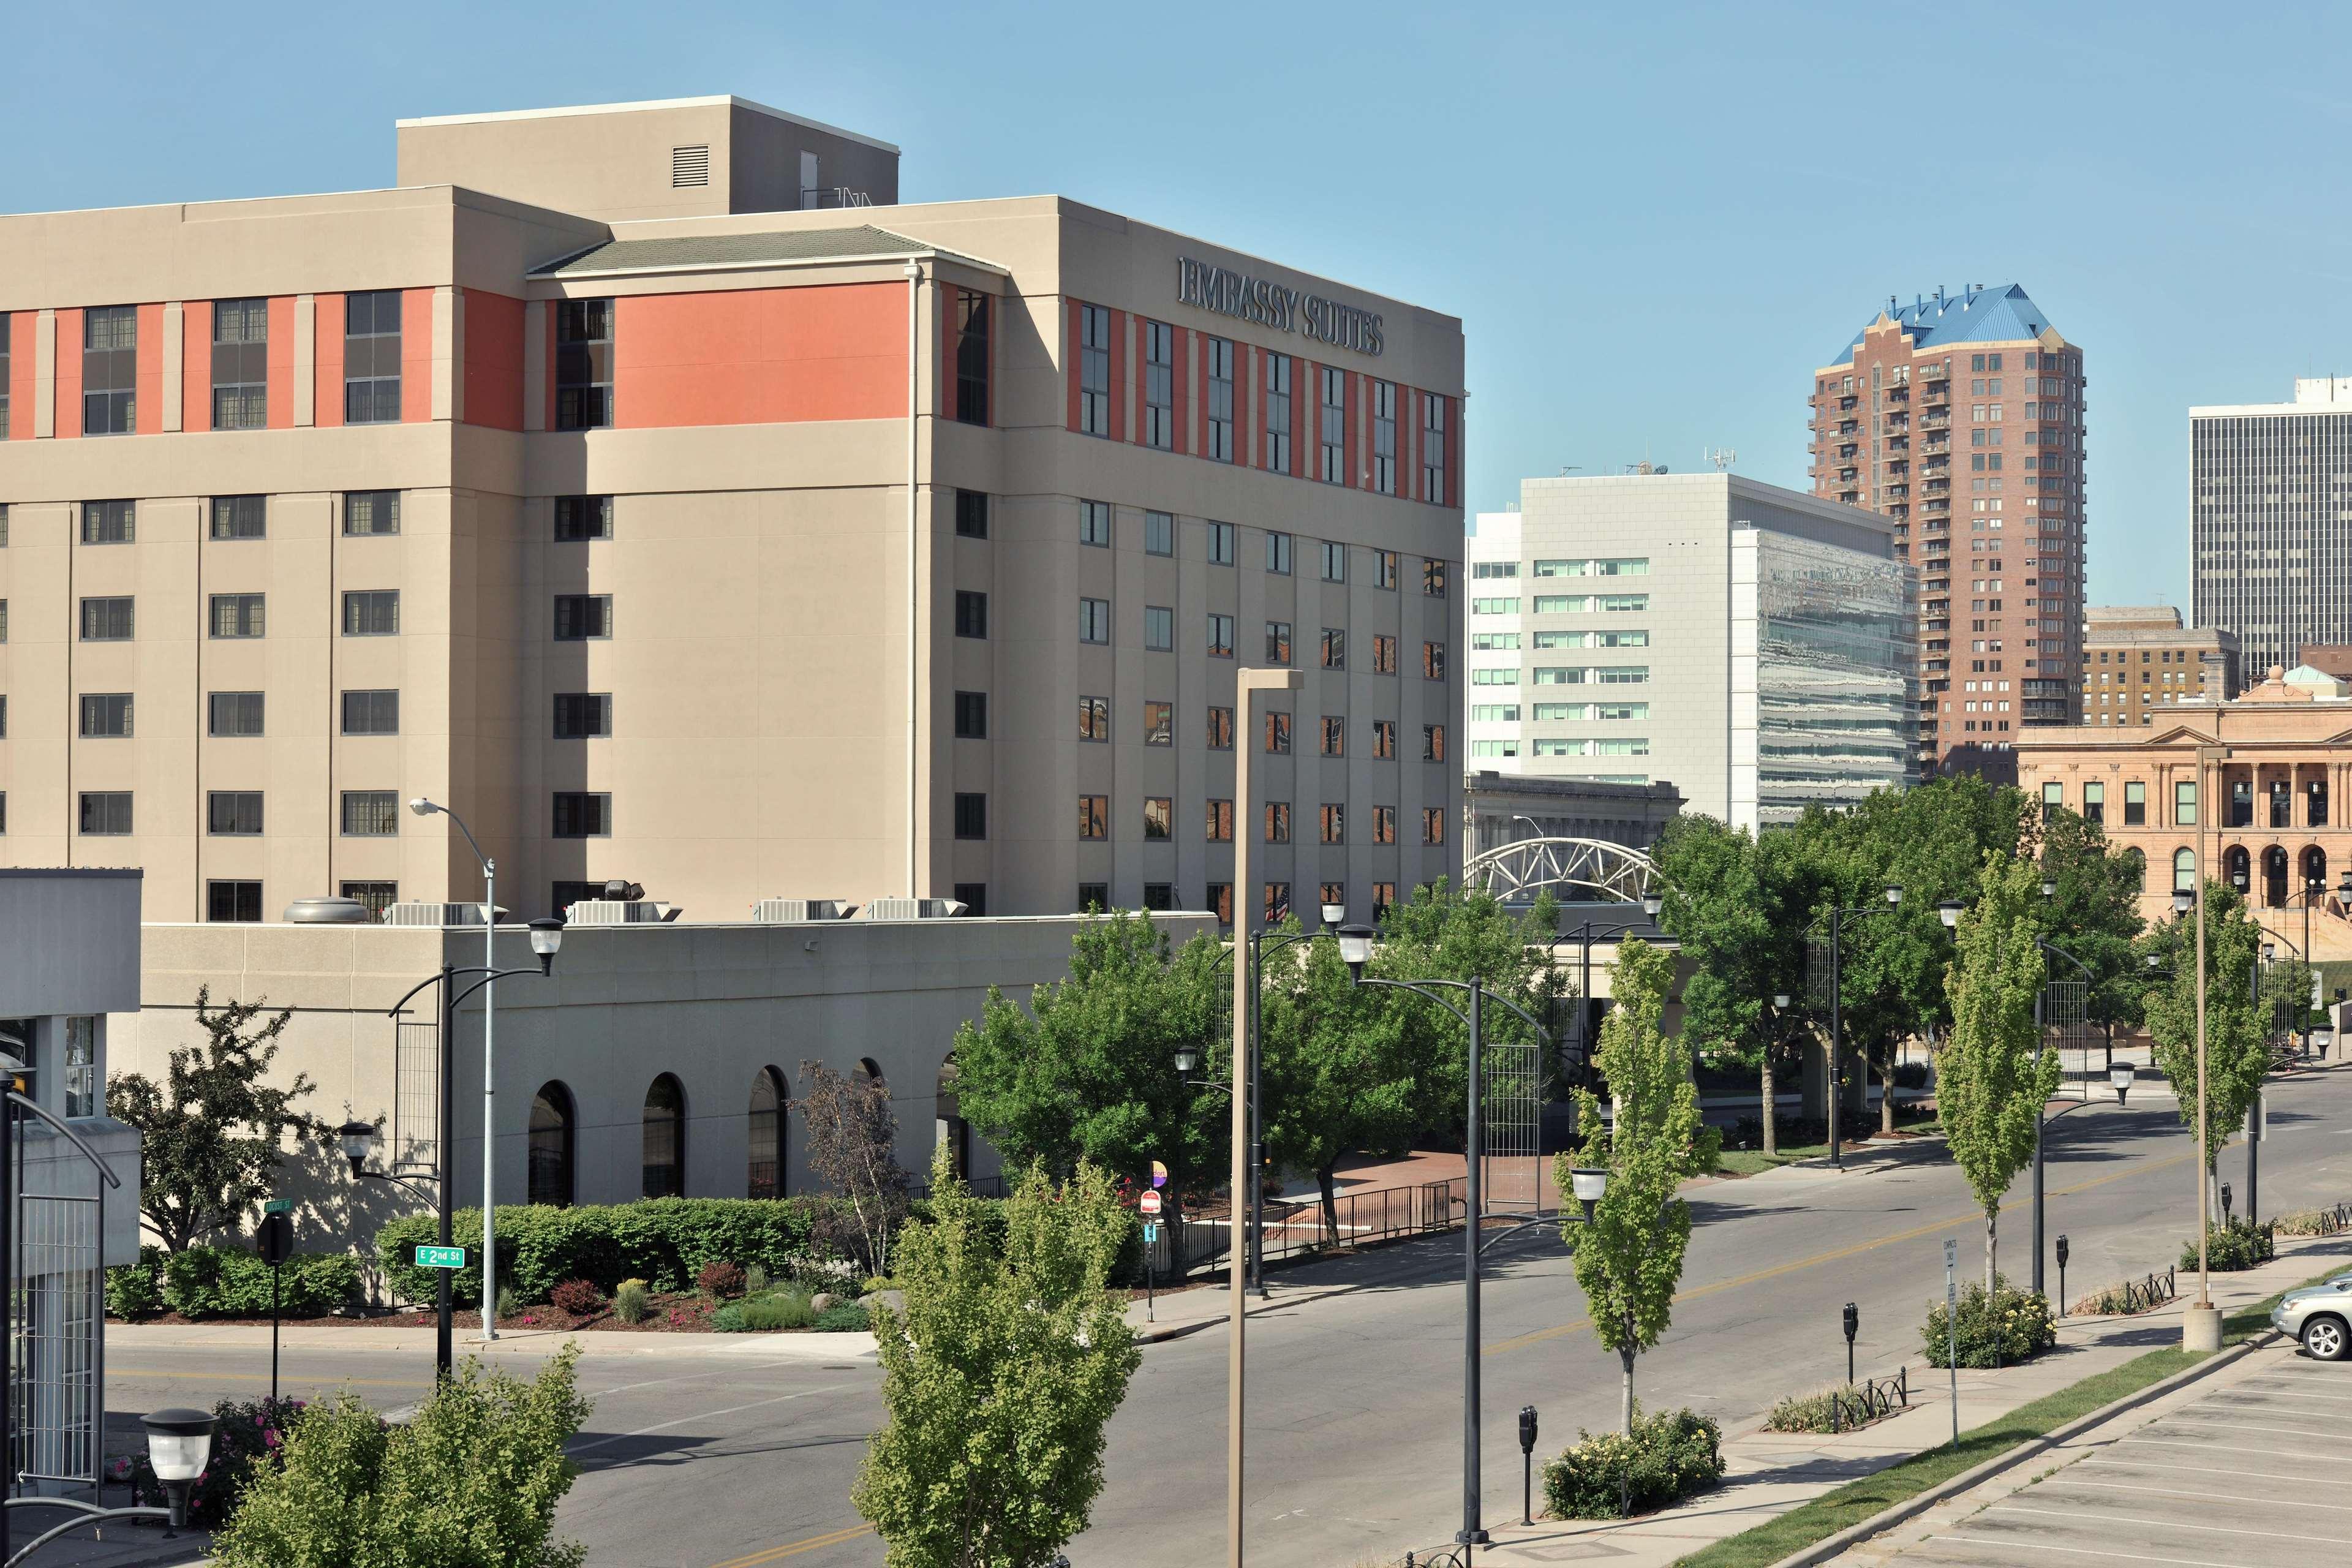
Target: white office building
x=1752, y=644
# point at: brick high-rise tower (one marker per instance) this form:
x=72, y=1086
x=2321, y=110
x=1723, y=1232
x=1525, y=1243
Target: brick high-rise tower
x=1960, y=417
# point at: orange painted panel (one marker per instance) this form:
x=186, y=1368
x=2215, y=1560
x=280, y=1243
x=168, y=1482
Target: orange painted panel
x=147, y=380
x=22, y=325
x=327, y=361
x=761, y=357
x=195, y=388
x=493, y=360
x=281, y=362
x=416, y=355
x=68, y=375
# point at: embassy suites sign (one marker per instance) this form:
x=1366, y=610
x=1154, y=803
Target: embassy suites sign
x=1268, y=304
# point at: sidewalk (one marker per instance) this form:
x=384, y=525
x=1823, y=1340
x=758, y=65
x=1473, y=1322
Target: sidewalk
x=1769, y=1472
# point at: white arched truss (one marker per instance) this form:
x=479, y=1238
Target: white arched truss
x=1574, y=869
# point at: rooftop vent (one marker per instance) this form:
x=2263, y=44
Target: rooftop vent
x=621, y=912
x=793, y=912
x=914, y=909
x=328, y=912
x=689, y=166
x=421, y=914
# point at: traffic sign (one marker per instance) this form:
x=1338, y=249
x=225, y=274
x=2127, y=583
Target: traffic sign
x=1151, y=1204
x=1159, y=1174
x=440, y=1258
x=1150, y=1231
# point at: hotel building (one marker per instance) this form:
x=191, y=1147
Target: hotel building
x=1993, y=519
x=647, y=483
x=1749, y=644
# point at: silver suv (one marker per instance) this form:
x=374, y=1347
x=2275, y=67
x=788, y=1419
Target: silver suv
x=2320, y=1316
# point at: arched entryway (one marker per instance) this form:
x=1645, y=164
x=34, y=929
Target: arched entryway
x=765, y=1178
x=2315, y=872
x=665, y=1139
x=550, y=1157
x=2238, y=867
x=2275, y=876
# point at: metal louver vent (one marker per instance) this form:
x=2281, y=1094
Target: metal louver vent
x=689, y=166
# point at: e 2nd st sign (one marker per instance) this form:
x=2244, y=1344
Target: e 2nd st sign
x=1268, y=304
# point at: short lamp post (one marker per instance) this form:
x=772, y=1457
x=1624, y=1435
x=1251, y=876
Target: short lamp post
x=179, y=1446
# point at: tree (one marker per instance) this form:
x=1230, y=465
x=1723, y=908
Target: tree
x=1629, y=1259
x=2237, y=1025
x=213, y=1133
x=1338, y=1075
x=853, y=1137
x=2096, y=907
x=1992, y=1075
x=1001, y=1375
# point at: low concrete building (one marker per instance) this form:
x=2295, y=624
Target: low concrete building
x=656, y=1060
x=1501, y=807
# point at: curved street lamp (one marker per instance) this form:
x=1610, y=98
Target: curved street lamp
x=179, y=1446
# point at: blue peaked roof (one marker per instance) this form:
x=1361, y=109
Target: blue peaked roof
x=1999, y=314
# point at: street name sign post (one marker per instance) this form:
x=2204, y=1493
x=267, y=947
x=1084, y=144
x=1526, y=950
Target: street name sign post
x=1952, y=1328
x=440, y=1258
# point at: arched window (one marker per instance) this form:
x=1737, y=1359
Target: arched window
x=551, y=1145
x=665, y=1157
x=2275, y=876
x=767, y=1177
x=2314, y=870
x=2238, y=867
x=870, y=1068
x=2184, y=871
x=954, y=1131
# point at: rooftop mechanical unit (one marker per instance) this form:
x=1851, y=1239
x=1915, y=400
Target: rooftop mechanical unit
x=914, y=909
x=422, y=914
x=794, y=912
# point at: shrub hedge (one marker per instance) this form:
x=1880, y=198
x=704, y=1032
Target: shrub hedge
x=663, y=1241
x=1997, y=1329
x=228, y=1282
x=1612, y=1476
x=2232, y=1249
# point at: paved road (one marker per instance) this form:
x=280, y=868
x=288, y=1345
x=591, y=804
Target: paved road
x=698, y=1460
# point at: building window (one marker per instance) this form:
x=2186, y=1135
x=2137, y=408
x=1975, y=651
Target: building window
x=970, y=816
x=2184, y=871
x=1221, y=544
x=106, y=813
x=1385, y=654
x=582, y=617
x=2184, y=803
x=1220, y=637
x=1221, y=398
x=1094, y=620
x=1384, y=824
x=1221, y=901
x=370, y=813
x=109, y=523
x=2053, y=793
x=110, y=370
x=765, y=1176
x=1385, y=739
x=1278, y=734
x=1158, y=628
x=1158, y=533
x=1432, y=579
x=368, y=513
x=1159, y=385
x=106, y=620
x=1220, y=729
x=1159, y=723
x=968, y=321
x=1334, y=562
x=1335, y=648
x=1278, y=642
x=1432, y=450
x=583, y=715
x=1335, y=735
x=1093, y=817
x=1433, y=824
x=972, y=614
x=1277, y=902
x=237, y=615
x=1384, y=895
x=232, y=814
x=1332, y=822
x=1093, y=897
x=1433, y=661
x=1332, y=436
x=1384, y=438
x=371, y=712
x=240, y=364
x=1094, y=524
x=371, y=613
x=105, y=715
x=971, y=715
x=1158, y=814
x=582, y=814
x=373, y=897
x=1221, y=822
x=972, y=514
x=584, y=364
x=548, y=1160
x=1277, y=416
x=1384, y=569
x=233, y=902
x=1278, y=554
x=371, y=358
x=1158, y=895
x=1094, y=370
x=663, y=1139
x=1277, y=822
x=1333, y=893
x=2135, y=803
x=579, y=519
x=1433, y=742
x=240, y=517
x=233, y=713
x=2095, y=802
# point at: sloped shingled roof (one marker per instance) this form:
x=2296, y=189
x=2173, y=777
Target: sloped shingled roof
x=736, y=250
x=2000, y=314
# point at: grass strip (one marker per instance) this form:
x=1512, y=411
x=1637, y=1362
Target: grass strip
x=1857, y=1501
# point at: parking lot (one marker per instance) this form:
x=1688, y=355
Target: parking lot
x=2243, y=1477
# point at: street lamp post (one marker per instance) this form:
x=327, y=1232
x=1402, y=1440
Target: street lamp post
x=359, y=1138
x=2040, y=1043
x=179, y=1444
x=1837, y=914
x=2201, y=1325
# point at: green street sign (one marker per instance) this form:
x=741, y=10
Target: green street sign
x=278, y=1206
x=440, y=1258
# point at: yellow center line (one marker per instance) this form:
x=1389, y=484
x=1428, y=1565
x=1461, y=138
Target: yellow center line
x=794, y=1548
x=1539, y=1335
x=209, y=1375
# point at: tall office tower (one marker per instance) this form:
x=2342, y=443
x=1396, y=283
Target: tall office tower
x=1992, y=520
x=649, y=485
x=2270, y=520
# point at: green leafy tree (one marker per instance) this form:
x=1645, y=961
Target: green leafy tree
x=214, y=1131
x=2237, y=1025
x=1629, y=1259
x=1001, y=1376
x=471, y=1483
x=2095, y=910
x=1991, y=1078
x=1338, y=1077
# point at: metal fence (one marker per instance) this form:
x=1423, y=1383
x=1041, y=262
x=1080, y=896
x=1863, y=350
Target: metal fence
x=2135, y=1296
x=1299, y=1228
x=416, y=1143
x=1871, y=1399
x=59, y=1388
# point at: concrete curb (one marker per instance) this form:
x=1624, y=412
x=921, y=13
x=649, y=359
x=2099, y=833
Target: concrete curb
x=1159, y=1333
x=1830, y=1546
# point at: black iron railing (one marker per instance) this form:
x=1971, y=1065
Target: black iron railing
x=1873, y=1399
x=2135, y=1296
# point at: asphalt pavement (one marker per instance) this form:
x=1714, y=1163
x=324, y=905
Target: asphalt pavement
x=704, y=1459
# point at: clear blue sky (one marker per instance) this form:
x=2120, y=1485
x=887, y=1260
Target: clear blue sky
x=1654, y=220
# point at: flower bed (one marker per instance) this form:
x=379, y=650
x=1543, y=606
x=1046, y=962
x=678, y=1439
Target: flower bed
x=2000, y=1327
x=2232, y=1248
x=1668, y=1456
